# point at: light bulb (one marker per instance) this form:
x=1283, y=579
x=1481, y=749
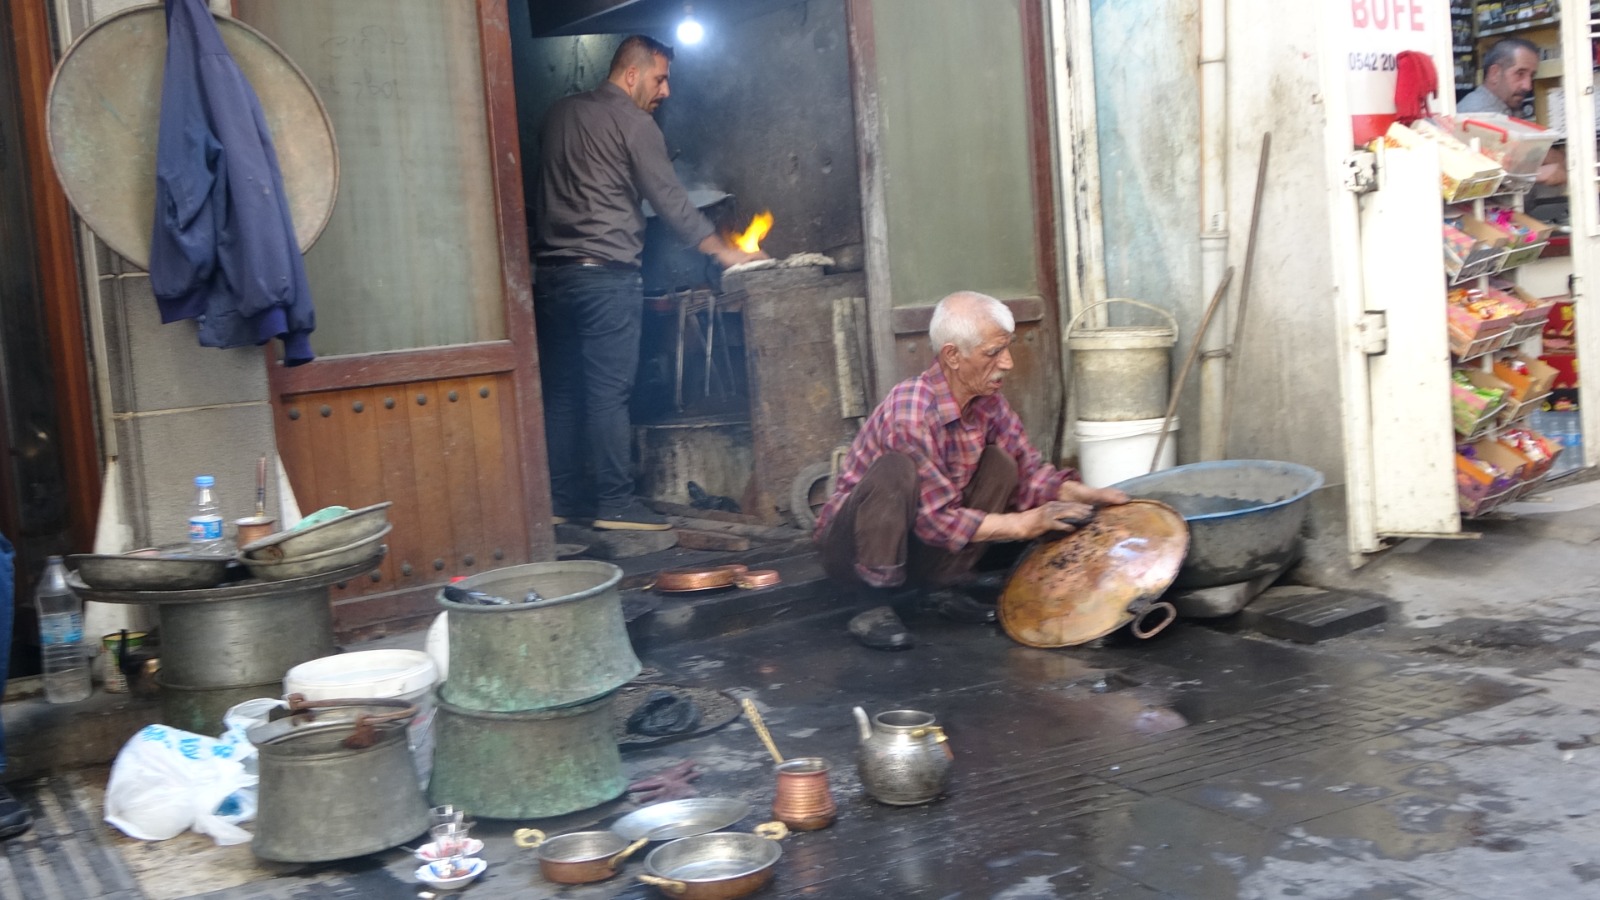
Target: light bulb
x=690, y=31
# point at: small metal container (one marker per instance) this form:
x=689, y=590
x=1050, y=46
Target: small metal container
x=581, y=857
x=803, y=800
x=316, y=563
x=525, y=765
x=340, y=531
x=151, y=569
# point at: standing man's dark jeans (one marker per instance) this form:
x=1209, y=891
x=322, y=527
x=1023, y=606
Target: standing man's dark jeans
x=870, y=540
x=14, y=817
x=588, y=320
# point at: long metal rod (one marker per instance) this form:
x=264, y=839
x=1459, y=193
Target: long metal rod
x=1188, y=362
x=1237, y=343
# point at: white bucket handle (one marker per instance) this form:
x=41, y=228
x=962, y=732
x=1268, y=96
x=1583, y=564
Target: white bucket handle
x=1156, y=309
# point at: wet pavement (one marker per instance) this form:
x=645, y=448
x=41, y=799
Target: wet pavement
x=1408, y=761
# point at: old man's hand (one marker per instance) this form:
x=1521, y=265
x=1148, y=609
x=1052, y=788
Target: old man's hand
x=1078, y=492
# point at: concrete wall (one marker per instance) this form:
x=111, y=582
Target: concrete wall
x=179, y=409
x=1286, y=402
x=1148, y=107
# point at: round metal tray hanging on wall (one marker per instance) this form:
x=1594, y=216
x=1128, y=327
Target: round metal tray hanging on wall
x=104, y=112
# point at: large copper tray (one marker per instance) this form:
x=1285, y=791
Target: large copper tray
x=104, y=111
x=1090, y=582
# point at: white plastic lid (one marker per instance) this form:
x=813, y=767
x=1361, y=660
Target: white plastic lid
x=365, y=673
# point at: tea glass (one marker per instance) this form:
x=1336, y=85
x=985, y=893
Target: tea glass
x=450, y=840
x=447, y=815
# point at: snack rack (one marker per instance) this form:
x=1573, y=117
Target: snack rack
x=1492, y=396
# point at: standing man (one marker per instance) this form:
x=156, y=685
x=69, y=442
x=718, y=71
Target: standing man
x=1508, y=70
x=601, y=156
x=941, y=468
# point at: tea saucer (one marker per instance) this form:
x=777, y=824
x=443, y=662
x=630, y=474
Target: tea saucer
x=439, y=876
x=430, y=851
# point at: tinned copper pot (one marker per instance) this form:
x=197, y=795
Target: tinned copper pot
x=803, y=800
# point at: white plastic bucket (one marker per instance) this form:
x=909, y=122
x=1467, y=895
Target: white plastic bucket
x=1109, y=452
x=381, y=674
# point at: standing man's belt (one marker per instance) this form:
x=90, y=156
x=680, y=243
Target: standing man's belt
x=592, y=261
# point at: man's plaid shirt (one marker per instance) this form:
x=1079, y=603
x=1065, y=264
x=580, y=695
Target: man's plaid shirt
x=920, y=419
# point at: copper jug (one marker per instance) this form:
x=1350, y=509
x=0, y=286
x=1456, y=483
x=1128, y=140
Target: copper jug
x=903, y=757
x=803, y=800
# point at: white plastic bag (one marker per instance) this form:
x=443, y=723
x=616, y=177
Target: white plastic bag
x=166, y=780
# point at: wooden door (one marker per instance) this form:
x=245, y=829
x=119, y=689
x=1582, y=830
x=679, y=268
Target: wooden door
x=425, y=391
x=958, y=183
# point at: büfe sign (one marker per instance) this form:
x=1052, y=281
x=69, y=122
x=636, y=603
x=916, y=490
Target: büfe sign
x=1375, y=32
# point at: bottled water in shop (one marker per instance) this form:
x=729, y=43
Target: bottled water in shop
x=65, y=667
x=206, y=536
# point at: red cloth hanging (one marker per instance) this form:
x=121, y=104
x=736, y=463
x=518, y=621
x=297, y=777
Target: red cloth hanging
x=1415, y=79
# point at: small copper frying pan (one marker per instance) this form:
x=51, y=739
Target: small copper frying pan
x=706, y=578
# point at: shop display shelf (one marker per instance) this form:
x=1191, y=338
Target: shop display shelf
x=1473, y=507
x=1479, y=347
x=1521, y=255
x=1518, y=410
x=1460, y=273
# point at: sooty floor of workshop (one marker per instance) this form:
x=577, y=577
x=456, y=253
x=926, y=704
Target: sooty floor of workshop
x=1199, y=764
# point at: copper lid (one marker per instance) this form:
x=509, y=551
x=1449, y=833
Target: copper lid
x=758, y=578
x=1090, y=582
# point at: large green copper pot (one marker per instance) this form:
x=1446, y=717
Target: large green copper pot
x=570, y=647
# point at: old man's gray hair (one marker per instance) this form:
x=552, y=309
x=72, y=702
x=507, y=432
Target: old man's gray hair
x=960, y=319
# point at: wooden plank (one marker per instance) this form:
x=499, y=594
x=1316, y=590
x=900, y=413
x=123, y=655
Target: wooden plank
x=499, y=477
x=693, y=539
x=759, y=532
x=294, y=449
x=398, y=473
x=915, y=319
x=394, y=367
x=57, y=271
x=716, y=515
x=325, y=424
x=435, y=527
x=460, y=472
x=365, y=469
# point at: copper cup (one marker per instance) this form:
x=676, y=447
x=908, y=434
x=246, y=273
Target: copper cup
x=255, y=528
x=803, y=800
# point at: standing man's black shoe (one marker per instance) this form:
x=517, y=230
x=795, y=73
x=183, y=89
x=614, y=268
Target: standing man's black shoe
x=14, y=817
x=880, y=629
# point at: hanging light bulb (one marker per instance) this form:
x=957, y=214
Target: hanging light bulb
x=690, y=31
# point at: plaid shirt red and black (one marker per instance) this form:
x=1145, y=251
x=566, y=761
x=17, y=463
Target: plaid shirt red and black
x=920, y=419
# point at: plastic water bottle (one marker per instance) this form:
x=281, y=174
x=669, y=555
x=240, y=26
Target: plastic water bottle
x=206, y=536
x=66, y=668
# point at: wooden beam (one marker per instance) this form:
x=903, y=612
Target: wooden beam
x=915, y=319
x=56, y=253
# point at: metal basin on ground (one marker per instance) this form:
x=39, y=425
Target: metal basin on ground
x=1244, y=515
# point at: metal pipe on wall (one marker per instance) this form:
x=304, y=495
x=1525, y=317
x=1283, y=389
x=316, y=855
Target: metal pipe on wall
x=1213, y=216
x=1077, y=147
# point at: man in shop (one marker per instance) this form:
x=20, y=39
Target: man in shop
x=601, y=157
x=1508, y=70
x=940, y=470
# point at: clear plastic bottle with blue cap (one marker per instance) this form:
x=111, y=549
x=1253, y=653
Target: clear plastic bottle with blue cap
x=207, y=536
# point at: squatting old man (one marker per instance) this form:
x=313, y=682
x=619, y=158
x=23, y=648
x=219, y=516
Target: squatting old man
x=939, y=470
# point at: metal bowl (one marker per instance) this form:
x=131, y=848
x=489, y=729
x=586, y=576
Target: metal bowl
x=152, y=569
x=334, y=534
x=673, y=819
x=728, y=859
x=316, y=563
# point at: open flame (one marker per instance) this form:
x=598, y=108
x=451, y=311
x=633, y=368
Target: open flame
x=750, y=240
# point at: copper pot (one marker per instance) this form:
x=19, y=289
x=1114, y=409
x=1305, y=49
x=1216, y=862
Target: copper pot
x=698, y=579
x=678, y=868
x=803, y=800
x=581, y=857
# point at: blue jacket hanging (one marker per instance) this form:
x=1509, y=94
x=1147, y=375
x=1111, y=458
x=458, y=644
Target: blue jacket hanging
x=223, y=250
